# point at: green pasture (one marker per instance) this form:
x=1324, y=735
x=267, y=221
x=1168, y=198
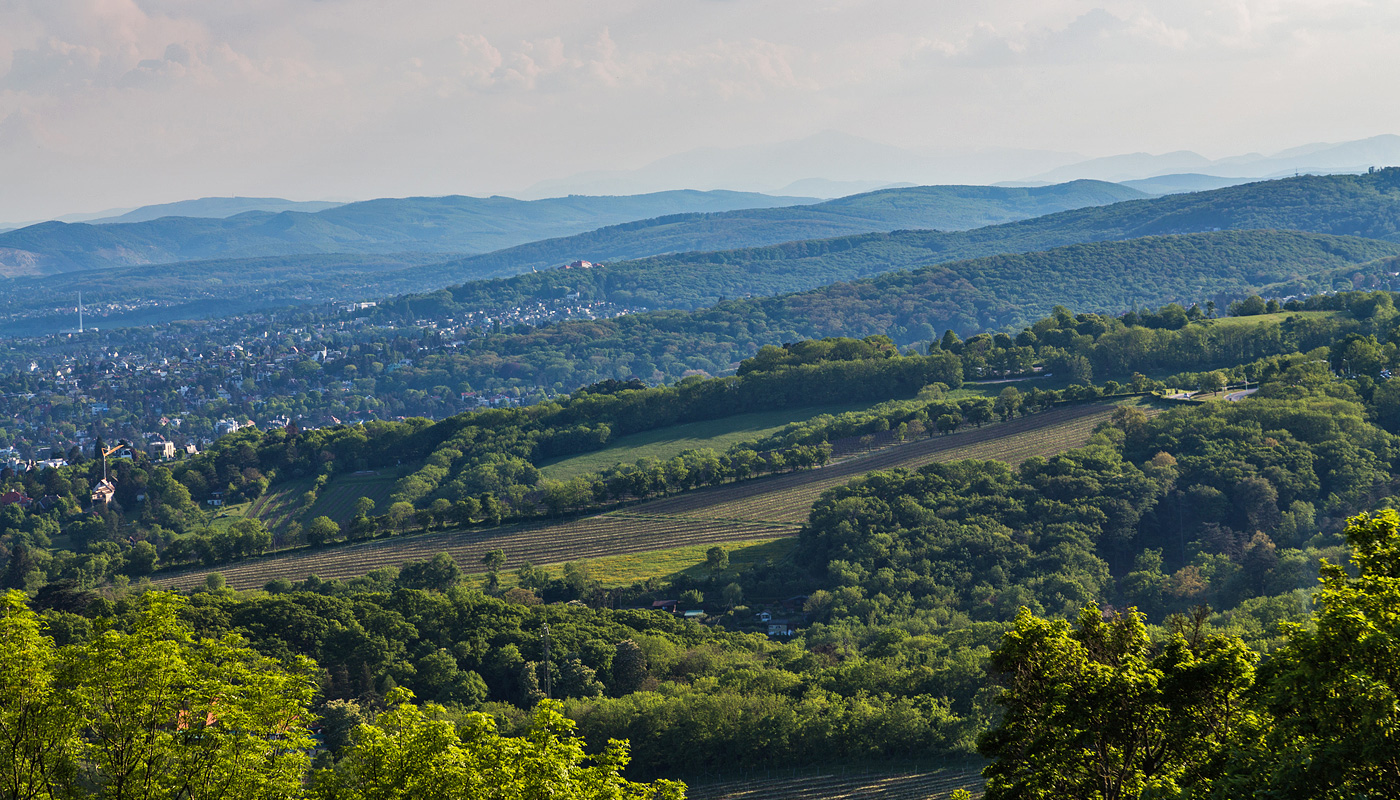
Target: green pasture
x=664, y=443
x=626, y=570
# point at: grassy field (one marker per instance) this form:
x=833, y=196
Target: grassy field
x=718, y=434
x=690, y=560
x=539, y=543
x=765, y=508
x=1235, y=322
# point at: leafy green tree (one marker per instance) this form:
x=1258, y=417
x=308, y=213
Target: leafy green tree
x=1008, y=402
x=1096, y=710
x=717, y=558
x=1334, y=689
x=37, y=727
x=416, y=752
x=146, y=710
x=321, y=530
x=629, y=667
x=438, y=573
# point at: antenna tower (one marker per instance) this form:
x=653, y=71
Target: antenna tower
x=80, y=312
x=546, y=660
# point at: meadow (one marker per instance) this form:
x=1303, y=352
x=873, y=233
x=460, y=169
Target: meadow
x=716, y=434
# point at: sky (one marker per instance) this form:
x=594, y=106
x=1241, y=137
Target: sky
x=119, y=103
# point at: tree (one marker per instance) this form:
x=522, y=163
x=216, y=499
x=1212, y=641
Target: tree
x=17, y=571
x=1212, y=382
x=363, y=506
x=1334, y=689
x=948, y=423
x=321, y=530
x=438, y=573
x=629, y=667
x=145, y=710
x=494, y=560
x=732, y=595
x=413, y=752
x=1008, y=403
x=717, y=558
x=1098, y=711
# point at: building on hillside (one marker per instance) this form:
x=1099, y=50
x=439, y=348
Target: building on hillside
x=227, y=426
x=161, y=450
x=102, y=494
x=15, y=496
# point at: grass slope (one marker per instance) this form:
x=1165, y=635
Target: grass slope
x=766, y=508
x=717, y=434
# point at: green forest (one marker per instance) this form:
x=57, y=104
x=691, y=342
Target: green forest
x=945, y=612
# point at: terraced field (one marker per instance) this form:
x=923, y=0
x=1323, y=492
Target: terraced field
x=337, y=500
x=788, y=498
x=837, y=786
x=541, y=543
x=759, y=509
x=278, y=507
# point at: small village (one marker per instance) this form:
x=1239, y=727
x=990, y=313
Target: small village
x=179, y=386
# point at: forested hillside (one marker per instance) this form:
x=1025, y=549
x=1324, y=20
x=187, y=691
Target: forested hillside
x=1361, y=205
x=943, y=208
x=220, y=286
x=1186, y=544
x=1352, y=205
x=484, y=468
x=996, y=293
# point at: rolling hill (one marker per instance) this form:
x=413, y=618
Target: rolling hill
x=996, y=292
x=1365, y=205
x=923, y=207
x=444, y=225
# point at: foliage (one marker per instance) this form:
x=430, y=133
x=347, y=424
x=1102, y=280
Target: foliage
x=413, y=752
x=1333, y=691
x=149, y=711
x=1098, y=711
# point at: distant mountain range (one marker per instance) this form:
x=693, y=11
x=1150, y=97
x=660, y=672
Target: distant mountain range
x=446, y=225
x=832, y=163
x=1357, y=156
x=1366, y=206
x=213, y=208
x=706, y=221
x=946, y=208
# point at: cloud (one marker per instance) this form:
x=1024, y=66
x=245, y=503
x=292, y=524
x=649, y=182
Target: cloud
x=357, y=97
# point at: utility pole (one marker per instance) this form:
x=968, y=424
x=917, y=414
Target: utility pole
x=546, y=680
x=80, y=312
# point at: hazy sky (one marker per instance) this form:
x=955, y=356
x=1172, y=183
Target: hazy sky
x=109, y=103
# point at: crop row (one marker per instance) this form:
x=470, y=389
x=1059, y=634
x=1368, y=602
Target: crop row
x=926, y=786
x=337, y=500
x=788, y=498
x=593, y=537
